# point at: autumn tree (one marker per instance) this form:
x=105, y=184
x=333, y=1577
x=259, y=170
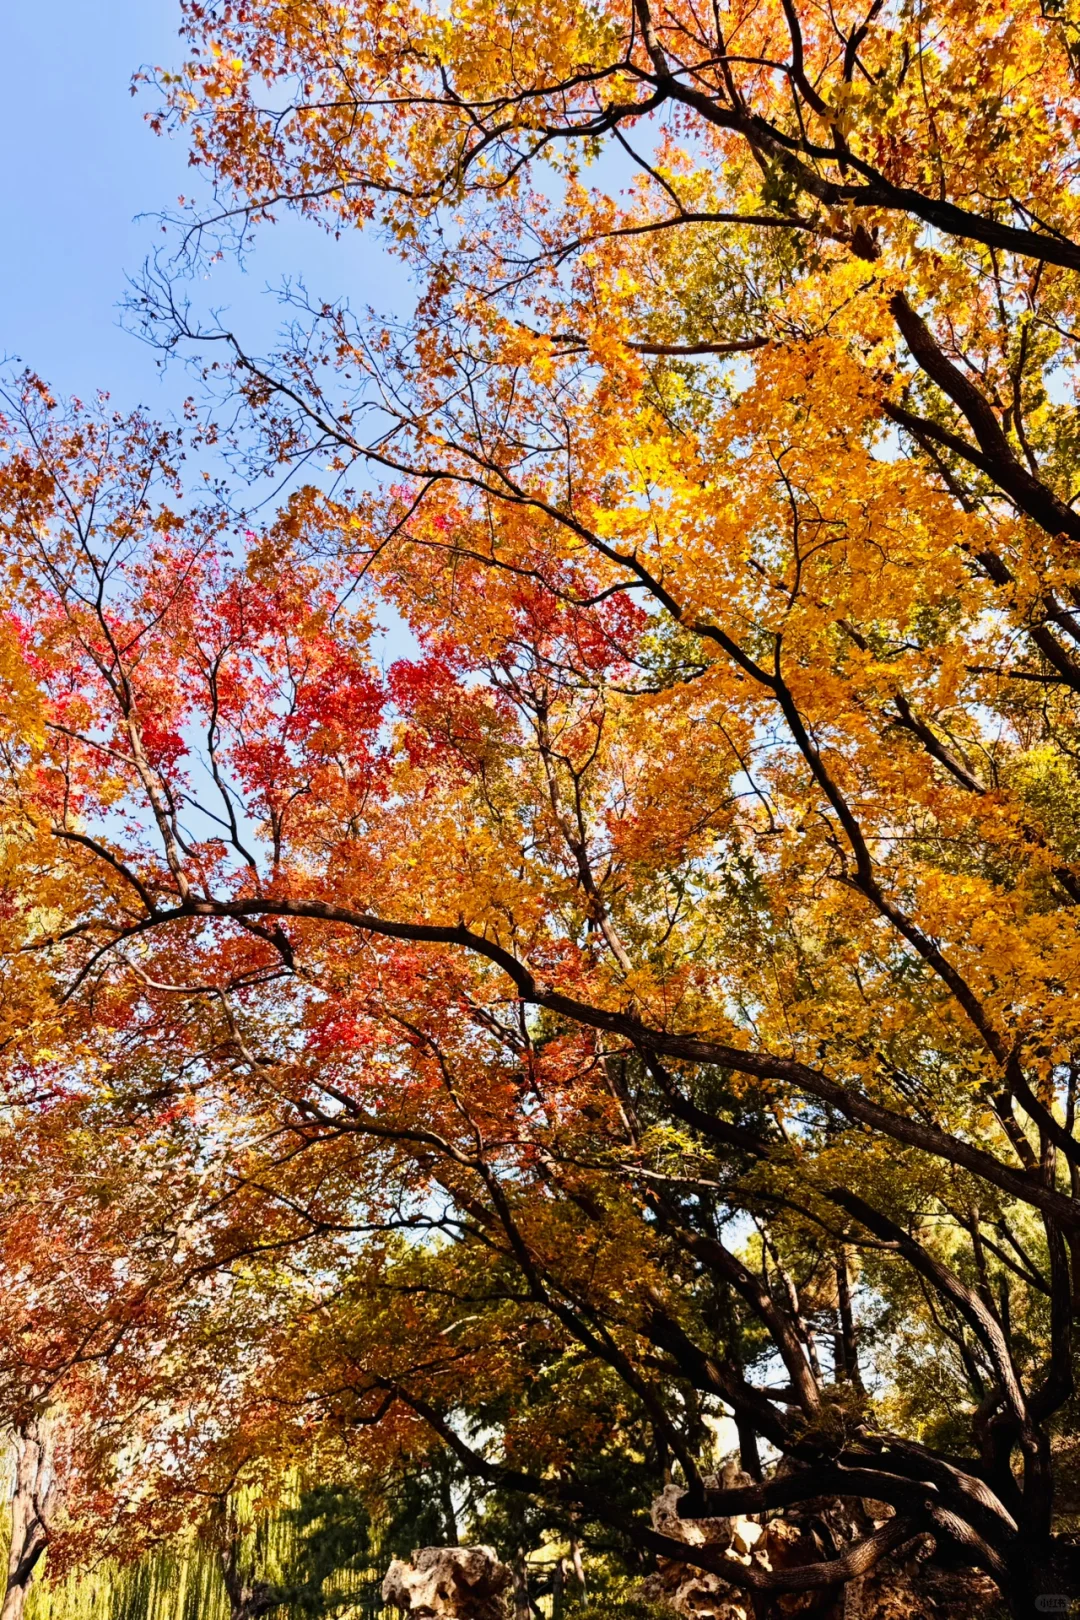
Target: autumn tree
x=97, y=1291
x=715, y=858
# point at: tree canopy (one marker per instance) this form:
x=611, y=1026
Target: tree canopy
x=655, y=994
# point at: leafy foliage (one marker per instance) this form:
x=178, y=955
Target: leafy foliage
x=655, y=998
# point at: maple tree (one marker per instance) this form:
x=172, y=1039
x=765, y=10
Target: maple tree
x=95, y=1197
x=715, y=858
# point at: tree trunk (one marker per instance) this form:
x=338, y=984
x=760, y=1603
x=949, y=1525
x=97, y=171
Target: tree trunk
x=522, y=1609
x=579, y=1567
x=446, y=1496
x=32, y=1496
x=1050, y=1583
x=848, y=1341
x=749, y=1455
x=248, y=1599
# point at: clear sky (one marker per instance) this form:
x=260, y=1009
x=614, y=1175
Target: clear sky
x=79, y=166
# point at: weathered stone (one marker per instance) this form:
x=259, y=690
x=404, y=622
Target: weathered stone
x=745, y=1534
x=694, y=1532
x=905, y=1586
x=449, y=1583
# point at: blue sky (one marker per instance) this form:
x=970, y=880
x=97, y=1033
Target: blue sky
x=80, y=166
